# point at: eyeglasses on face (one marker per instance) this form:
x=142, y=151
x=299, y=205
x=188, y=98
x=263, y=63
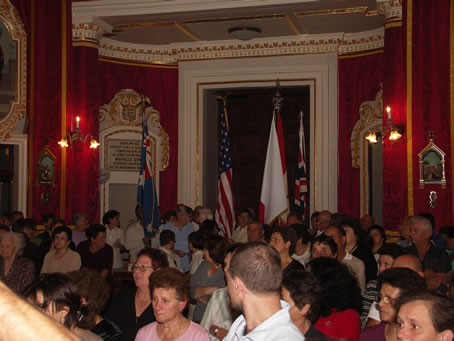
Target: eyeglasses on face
x=386, y=299
x=141, y=268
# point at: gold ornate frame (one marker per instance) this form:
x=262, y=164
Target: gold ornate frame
x=371, y=118
x=432, y=174
x=10, y=17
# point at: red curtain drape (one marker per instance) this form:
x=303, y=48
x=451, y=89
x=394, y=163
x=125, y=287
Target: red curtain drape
x=82, y=166
x=360, y=79
x=395, y=184
x=430, y=58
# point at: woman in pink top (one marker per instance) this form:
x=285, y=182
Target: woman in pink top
x=170, y=292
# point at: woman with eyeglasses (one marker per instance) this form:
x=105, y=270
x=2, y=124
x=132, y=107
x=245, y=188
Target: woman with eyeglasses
x=132, y=309
x=283, y=240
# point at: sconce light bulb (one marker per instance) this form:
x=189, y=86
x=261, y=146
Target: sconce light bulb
x=94, y=144
x=372, y=137
x=63, y=143
x=394, y=135
x=388, y=109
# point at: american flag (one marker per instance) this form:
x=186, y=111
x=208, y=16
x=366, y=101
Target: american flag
x=300, y=178
x=225, y=211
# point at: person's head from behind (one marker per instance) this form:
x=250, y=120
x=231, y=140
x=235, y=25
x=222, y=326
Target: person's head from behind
x=339, y=286
x=170, y=291
x=214, y=249
x=93, y=289
x=80, y=221
x=57, y=296
x=254, y=269
x=195, y=241
x=393, y=283
x=167, y=239
x=283, y=240
x=209, y=228
x=96, y=234
x=387, y=254
x=48, y=219
x=323, y=246
x=302, y=291
x=411, y=262
x=294, y=218
x=425, y=316
x=255, y=231
x=56, y=223
x=204, y=214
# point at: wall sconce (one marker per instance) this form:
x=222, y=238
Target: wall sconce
x=394, y=132
x=74, y=136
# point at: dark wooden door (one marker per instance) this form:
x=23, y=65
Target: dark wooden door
x=250, y=113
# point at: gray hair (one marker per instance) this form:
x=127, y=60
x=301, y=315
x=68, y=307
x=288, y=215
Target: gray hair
x=206, y=212
x=78, y=216
x=183, y=210
x=18, y=239
x=422, y=221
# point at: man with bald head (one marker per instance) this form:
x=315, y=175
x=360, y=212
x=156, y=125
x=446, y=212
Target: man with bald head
x=409, y=261
x=324, y=219
x=436, y=261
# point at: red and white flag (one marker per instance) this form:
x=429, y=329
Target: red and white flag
x=274, y=195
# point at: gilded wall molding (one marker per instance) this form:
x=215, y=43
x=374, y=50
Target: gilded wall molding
x=17, y=107
x=391, y=9
x=87, y=33
x=301, y=45
x=371, y=114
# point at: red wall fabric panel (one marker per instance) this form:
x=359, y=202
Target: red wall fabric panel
x=431, y=99
x=360, y=78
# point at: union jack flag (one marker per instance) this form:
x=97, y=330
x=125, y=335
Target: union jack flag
x=301, y=178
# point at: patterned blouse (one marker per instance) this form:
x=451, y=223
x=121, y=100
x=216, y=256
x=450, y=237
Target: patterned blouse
x=20, y=275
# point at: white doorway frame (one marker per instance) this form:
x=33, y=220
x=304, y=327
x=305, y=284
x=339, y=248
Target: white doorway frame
x=317, y=71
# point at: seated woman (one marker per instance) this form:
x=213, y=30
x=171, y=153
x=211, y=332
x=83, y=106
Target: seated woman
x=131, y=310
x=95, y=293
x=425, y=316
x=341, y=299
x=209, y=276
x=377, y=235
x=283, y=240
x=15, y=271
x=302, y=291
x=170, y=291
x=57, y=296
x=358, y=248
x=61, y=258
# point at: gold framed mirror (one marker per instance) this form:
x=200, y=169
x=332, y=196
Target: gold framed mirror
x=13, y=69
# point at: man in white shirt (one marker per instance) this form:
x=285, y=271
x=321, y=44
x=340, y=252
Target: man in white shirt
x=240, y=233
x=167, y=240
x=254, y=278
x=115, y=236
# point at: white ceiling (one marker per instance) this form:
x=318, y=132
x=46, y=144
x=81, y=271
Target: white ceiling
x=163, y=22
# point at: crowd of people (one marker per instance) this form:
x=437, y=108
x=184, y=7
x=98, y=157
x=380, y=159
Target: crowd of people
x=331, y=278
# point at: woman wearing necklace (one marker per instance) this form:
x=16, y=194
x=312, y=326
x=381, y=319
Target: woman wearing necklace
x=61, y=258
x=170, y=295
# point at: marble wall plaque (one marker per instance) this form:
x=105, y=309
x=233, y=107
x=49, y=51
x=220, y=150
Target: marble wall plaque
x=123, y=155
